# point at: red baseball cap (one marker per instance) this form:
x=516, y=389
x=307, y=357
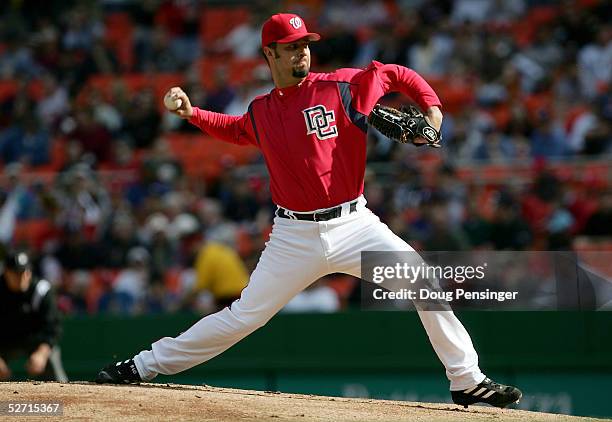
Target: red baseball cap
x=285, y=28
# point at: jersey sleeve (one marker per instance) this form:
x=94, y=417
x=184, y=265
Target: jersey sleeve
x=234, y=129
x=379, y=79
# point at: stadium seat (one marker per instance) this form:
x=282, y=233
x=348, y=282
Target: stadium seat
x=454, y=93
x=8, y=88
x=204, y=156
x=216, y=22
x=172, y=280
x=241, y=71
x=118, y=32
x=33, y=232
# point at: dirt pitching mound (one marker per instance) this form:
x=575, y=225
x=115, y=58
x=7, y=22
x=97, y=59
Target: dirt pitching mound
x=91, y=402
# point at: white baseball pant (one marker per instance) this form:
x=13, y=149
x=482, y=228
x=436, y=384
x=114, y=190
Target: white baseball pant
x=297, y=254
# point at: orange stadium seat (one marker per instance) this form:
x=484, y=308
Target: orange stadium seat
x=597, y=174
x=58, y=154
x=542, y=15
x=244, y=243
x=343, y=285
x=563, y=171
x=118, y=33
x=172, y=279
x=33, y=232
x=8, y=88
x=100, y=280
x=496, y=173
x=539, y=103
x=524, y=30
x=242, y=70
x=35, y=89
x=454, y=93
x=161, y=82
x=134, y=82
x=207, y=66
x=501, y=115
x=203, y=155
x=216, y=22
x=486, y=202
x=465, y=173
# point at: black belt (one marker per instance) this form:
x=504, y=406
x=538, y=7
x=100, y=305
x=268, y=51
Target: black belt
x=316, y=216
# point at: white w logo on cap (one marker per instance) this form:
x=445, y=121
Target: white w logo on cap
x=295, y=22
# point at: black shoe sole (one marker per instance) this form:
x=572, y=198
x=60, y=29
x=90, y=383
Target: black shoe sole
x=105, y=378
x=467, y=403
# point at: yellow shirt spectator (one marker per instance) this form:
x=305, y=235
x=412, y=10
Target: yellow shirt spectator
x=220, y=270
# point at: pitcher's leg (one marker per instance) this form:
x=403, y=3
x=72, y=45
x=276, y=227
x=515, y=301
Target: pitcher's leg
x=447, y=335
x=285, y=269
x=454, y=348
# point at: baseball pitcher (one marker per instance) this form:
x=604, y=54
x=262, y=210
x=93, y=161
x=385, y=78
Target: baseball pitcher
x=311, y=130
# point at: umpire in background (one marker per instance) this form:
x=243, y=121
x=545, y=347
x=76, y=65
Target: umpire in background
x=29, y=321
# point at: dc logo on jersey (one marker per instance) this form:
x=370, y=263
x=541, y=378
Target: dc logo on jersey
x=319, y=121
x=296, y=22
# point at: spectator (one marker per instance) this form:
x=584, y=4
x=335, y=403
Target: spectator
x=548, y=138
x=260, y=84
x=160, y=57
x=93, y=136
x=441, y=236
x=84, y=203
x=132, y=284
x=120, y=240
x=509, y=231
x=599, y=223
x=16, y=59
x=26, y=142
x=431, y=53
x=355, y=14
x=55, y=104
x=142, y=122
x=160, y=170
x=243, y=40
x=75, y=252
x=105, y=113
x=318, y=297
x=220, y=274
x=222, y=92
x=161, y=248
x=512, y=98
x=595, y=63
x=82, y=29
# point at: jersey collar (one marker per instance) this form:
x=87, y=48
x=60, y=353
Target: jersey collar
x=287, y=91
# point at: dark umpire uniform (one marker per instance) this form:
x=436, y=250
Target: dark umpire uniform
x=29, y=321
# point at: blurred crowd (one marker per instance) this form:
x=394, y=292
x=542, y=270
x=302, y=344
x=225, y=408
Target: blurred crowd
x=118, y=222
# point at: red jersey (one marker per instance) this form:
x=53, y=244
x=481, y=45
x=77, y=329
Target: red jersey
x=313, y=135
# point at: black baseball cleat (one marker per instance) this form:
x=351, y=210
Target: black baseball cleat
x=489, y=392
x=119, y=373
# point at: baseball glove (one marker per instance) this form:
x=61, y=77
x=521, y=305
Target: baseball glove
x=407, y=125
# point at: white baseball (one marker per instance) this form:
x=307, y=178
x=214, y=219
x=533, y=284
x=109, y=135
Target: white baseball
x=171, y=102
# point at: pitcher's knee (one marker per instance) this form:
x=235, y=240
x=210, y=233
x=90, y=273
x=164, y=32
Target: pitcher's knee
x=248, y=320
